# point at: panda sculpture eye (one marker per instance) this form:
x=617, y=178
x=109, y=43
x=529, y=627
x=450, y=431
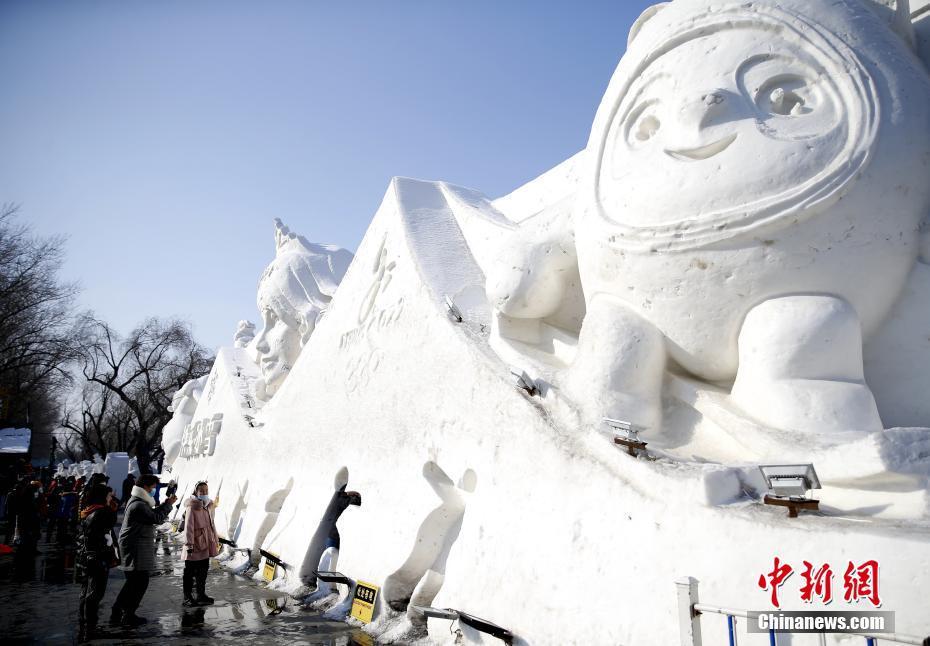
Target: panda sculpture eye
x=785, y=96
x=643, y=124
x=647, y=128
x=792, y=99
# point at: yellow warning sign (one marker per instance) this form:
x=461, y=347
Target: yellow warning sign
x=271, y=568
x=363, y=602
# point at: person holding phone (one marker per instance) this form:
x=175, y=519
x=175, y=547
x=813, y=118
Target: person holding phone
x=137, y=548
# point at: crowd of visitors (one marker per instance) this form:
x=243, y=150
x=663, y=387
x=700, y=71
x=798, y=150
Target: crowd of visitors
x=30, y=500
x=83, y=513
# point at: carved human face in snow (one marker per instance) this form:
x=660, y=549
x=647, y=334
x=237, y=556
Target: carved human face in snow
x=294, y=291
x=277, y=346
x=734, y=121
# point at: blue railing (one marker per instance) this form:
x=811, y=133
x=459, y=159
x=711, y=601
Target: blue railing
x=731, y=614
x=690, y=611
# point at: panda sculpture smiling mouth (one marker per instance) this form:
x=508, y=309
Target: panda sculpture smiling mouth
x=702, y=152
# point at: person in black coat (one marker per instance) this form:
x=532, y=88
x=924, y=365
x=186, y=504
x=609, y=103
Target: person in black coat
x=137, y=548
x=30, y=507
x=97, y=554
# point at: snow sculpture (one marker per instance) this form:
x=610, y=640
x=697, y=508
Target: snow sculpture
x=245, y=333
x=323, y=551
x=116, y=466
x=419, y=579
x=746, y=216
x=85, y=468
x=770, y=252
x=259, y=525
x=293, y=293
x=199, y=438
x=183, y=404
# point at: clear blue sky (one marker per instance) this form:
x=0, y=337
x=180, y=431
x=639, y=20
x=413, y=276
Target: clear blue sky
x=163, y=137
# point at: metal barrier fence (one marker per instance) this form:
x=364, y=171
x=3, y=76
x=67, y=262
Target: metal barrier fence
x=690, y=610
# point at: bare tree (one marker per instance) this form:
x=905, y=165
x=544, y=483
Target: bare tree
x=122, y=402
x=71, y=447
x=98, y=421
x=129, y=384
x=36, y=327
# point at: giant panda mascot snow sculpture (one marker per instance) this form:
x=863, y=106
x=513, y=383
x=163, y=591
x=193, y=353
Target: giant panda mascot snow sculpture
x=757, y=180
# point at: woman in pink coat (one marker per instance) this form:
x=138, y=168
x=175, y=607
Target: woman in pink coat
x=200, y=543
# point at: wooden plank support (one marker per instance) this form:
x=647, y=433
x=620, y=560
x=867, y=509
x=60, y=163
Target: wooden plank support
x=632, y=446
x=793, y=504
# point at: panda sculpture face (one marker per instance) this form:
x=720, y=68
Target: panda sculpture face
x=733, y=119
x=763, y=117
x=745, y=151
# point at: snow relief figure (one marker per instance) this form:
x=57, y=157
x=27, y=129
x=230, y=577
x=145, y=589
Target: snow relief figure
x=183, y=405
x=756, y=188
x=245, y=333
x=293, y=293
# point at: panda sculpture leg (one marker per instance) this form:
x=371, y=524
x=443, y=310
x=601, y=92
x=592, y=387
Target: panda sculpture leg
x=619, y=366
x=800, y=367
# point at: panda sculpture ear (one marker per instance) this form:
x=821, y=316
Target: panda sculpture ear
x=902, y=24
x=643, y=19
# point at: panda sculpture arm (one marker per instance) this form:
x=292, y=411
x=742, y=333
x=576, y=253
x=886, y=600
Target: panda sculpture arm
x=529, y=279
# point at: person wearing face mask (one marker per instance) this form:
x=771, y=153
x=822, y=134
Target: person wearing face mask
x=200, y=543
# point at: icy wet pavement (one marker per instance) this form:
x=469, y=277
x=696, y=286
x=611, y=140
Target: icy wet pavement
x=39, y=605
